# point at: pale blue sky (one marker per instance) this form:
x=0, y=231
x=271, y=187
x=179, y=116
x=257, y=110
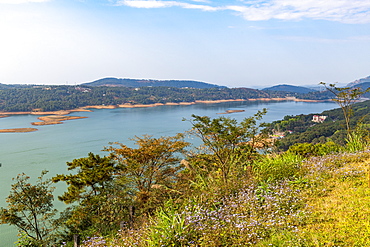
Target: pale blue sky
x=237, y=43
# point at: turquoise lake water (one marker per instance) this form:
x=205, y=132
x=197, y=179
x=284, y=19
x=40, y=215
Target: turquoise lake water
x=52, y=146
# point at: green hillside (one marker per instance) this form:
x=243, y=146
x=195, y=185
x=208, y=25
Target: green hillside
x=301, y=128
x=290, y=89
x=116, y=82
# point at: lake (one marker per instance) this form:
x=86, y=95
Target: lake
x=52, y=146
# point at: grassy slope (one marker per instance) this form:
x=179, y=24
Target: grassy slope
x=336, y=191
x=341, y=205
x=338, y=199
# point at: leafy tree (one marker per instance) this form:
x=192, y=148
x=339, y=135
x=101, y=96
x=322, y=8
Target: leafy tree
x=345, y=97
x=93, y=174
x=101, y=200
x=30, y=209
x=151, y=168
x=227, y=143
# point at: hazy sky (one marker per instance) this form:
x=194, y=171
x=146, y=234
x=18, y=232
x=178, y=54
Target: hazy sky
x=237, y=43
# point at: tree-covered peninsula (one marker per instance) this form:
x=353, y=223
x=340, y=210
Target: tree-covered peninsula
x=53, y=98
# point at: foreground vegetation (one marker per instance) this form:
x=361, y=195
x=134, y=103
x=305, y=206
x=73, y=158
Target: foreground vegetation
x=233, y=190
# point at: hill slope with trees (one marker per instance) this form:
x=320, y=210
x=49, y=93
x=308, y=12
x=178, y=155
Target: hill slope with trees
x=301, y=128
x=116, y=82
x=289, y=88
x=52, y=98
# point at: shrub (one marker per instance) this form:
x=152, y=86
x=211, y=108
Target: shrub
x=309, y=149
x=277, y=167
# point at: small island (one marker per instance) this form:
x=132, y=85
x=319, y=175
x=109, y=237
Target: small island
x=231, y=111
x=18, y=130
x=54, y=119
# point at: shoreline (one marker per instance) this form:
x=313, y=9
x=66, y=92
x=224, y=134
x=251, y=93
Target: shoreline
x=57, y=117
x=54, y=119
x=128, y=105
x=18, y=130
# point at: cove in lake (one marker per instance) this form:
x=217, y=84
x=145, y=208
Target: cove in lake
x=52, y=146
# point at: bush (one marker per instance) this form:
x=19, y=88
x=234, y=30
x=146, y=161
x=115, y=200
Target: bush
x=277, y=167
x=309, y=149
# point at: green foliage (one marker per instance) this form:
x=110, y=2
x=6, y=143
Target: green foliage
x=151, y=168
x=227, y=145
x=51, y=98
x=169, y=228
x=310, y=149
x=93, y=173
x=227, y=192
x=102, y=200
x=24, y=240
x=345, y=97
x=332, y=129
x=277, y=167
x=30, y=209
x=359, y=139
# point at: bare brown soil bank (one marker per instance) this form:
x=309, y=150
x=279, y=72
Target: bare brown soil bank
x=54, y=119
x=61, y=112
x=17, y=130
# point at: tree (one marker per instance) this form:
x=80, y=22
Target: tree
x=345, y=97
x=151, y=168
x=93, y=174
x=227, y=143
x=101, y=198
x=30, y=208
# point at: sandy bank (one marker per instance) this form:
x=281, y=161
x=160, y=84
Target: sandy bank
x=218, y=101
x=97, y=107
x=61, y=112
x=128, y=105
x=231, y=111
x=54, y=119
x=17, y=130
x=57, y=117
x=288, y=99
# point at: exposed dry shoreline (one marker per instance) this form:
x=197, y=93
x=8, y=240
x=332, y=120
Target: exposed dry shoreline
x=86, y=108
x=17, y=130
x=56, y=117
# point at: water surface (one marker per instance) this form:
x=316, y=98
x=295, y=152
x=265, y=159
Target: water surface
x=52, y=146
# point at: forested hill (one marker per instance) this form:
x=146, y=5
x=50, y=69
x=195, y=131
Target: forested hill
x=115, y=82
x=301, y=128
x=289, y=88
x=52, y=98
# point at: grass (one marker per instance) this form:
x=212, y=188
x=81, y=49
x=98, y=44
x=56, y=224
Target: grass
x=325, y=201
x=340, y=216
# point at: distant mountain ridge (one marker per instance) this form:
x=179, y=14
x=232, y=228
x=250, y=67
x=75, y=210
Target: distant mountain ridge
x=289, y=88
x=116, y=82
x=359, y=81
x=363, y=86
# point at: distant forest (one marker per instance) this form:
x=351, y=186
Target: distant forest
x=301, y=128
x=52, y=98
